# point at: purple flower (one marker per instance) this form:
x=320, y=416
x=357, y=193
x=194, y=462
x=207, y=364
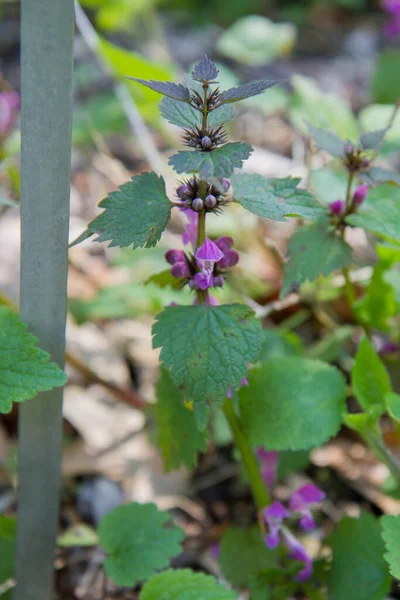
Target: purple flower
x=210, y=201
x=338, y=208
x=204, y=280
x=183, y=191
x=301, y=502
x=208, y=252
x=360, y=194
x=180, y=269
x=230, y=259
x=298, y=552
x=173, y=256
x=9, y=105
x=391, y=6
x=269, y=465
x=392, y=28
x=190, y=233
x=274, y=516
x=224, y=243
x=243, y=382
x=215, y=550
x=218, y=281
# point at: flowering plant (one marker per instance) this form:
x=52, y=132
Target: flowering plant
x=286, y=402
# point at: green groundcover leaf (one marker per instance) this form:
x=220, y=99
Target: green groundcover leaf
x=178, y=437
x=358, y=570
x=313, y=251
x=369, y=378
x=391, y=537
x=184, y=115
x=8, y=526
x=275, y=198
x=217, y=163
x=25, y=369
x=244, y=554
x=183, y=584
x=135, y=214
x=383, y=219
x=136, y=542
x=207, y=349
x=392, y=402
x=292, y=403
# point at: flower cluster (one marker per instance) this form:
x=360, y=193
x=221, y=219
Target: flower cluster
x=339, y=208
x=189, y=194
x=356, y=158
x=300, y=504
x=392, y=27
x=9, y=105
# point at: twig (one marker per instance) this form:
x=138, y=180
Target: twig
x=138, y=126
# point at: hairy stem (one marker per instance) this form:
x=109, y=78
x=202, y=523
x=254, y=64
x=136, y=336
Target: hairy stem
x=250, y=462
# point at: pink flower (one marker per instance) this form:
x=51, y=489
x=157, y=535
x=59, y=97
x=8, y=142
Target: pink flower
x=9, y=105
x=274, y=516
x=360, y=194
x=301, y=502
x=338, y=208
x=208, y=252
x=392, y=27
x=269, y=464
x=298, y=552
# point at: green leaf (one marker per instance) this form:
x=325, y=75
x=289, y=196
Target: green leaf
x=274, y=198
x=392, y=402
x=178, y=437
x=331, y=346
x=292, y=403
x=208, y=350
x=183, y=584
x=382, y=219
x=25, y=369
x=385, y=82
x=372, y=140
x=378, y=305
x=244, y=554
x=369, y=378
x=378, y=116
x=165, y=279
x=313, y=251
x=360, y=422
x=328, y=141
x=391, y=537
x=136, y=542
x=205, y=70
x=291, y=461
x=8, y=527
x=377, y=176
x=247, y=90
x=135, y=214
x=184, y=115
x=79, y=535
x=255, y=40
x=167, y=88
x=358, y=570
x=217, y=163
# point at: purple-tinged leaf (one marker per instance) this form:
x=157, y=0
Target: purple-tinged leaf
x=371, y=140
x=205, y=70
x=328, y=141
x=247, y=90
x=168, y=88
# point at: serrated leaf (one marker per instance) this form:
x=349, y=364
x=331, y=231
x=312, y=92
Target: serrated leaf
x=207, y=349
x=391, y=537
x=369, y=378
x=247, y=90
x=25, y=369
x=167, y=88
x=135, y=214
x=178, y=437
x=358, y=570
x=274, y=198
x=382, y=219
x=244, y=554
x=205, y=70
x=218, y=163
x=137, y=543
x=327, y=141
x=184, y=115
x=292, y=403
x=372, y=140
x=313, y=251
x=377, y=176
x=392, y=402
x=183, y=584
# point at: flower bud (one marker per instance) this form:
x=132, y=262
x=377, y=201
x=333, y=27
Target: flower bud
x=193, y=284
x=230, y=259
x=173, y=256
x=180, y=269
x=338, y=208
x=210, y=201
x=205, y=142
x=348, y=149
x=197, y=204
x=365, y=163
x=204, y=280
x=218, y=281
x=183, y=191
x=224, y=243
x=360, y=194
x=226, y=184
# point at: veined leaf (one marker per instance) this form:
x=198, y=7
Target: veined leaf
x=184, y=115
x=391, y=537
x=371, y=140
x=369, y=378
x=217, y=163
x=247, y=90
x=383, y=218
x=205, y=70
x=184, y=584
x=167, y=88
x=328, y=141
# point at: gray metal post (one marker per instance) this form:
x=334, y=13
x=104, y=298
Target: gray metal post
x=46, y=84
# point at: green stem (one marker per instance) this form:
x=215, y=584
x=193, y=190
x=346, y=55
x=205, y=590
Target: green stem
x=259, y=491
x=376, y=444
x=348, y=284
